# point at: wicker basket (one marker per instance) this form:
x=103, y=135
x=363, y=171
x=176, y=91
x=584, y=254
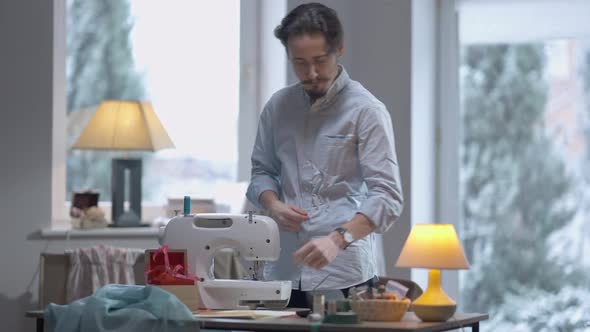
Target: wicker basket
x=381, y=310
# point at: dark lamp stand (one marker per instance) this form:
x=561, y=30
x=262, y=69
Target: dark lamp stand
x=119, y=180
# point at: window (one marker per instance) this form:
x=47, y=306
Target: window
x=185, y=60
x=524, y=151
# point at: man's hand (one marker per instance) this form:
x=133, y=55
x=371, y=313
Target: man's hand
x=319, y=252
x=288, y=217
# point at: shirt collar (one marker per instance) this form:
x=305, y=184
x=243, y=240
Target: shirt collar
x=339, y=83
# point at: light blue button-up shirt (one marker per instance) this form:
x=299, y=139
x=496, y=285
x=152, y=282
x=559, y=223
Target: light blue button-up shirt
x=333, y=158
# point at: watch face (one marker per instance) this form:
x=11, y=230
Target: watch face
x=348, y=237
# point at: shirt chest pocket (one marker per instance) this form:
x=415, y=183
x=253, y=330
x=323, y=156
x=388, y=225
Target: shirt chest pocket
x=337, y=154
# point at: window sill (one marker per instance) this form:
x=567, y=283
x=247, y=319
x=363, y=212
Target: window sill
x=131, y=232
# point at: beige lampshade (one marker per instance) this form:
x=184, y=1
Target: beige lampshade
x=433, y=246
x=124, y=125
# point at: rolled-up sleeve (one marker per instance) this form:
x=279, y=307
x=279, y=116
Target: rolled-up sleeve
x=380, y=169
x=265, y=164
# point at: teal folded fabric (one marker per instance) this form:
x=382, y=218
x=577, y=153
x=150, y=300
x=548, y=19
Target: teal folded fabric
x=122, y=308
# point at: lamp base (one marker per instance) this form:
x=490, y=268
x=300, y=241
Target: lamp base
x=434, y=313
x=434, y=305
x=126, y=174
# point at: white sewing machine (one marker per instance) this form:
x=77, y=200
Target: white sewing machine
x=254, y=237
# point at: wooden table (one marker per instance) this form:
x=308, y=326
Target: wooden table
x=409, y=323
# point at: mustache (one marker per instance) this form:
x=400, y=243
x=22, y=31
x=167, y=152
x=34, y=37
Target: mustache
x=317, y=80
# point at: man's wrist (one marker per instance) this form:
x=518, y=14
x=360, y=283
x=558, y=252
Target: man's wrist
x=346, y=235
x=268, y=198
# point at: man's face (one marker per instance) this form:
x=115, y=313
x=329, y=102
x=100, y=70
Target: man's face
x=313, y=64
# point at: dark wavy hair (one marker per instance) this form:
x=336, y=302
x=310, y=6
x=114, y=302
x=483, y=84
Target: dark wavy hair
x=311, y=18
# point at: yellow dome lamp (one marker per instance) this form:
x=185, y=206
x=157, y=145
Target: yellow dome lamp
x=434, y=247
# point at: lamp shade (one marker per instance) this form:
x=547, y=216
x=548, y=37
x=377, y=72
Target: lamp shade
x=124, y=125
x=433, y=246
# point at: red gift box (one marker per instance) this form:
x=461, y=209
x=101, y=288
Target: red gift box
x=166, y=266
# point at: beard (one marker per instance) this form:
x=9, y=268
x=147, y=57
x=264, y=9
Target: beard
x=315, y=92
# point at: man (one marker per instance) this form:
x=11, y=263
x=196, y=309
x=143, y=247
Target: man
x=324, y=163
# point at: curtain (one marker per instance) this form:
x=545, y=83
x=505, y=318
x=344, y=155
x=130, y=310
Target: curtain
x=95, y=267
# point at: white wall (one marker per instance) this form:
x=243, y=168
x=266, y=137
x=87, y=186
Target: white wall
x=25, y=147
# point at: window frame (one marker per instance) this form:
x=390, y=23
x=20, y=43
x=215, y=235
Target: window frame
x=449, y=123
x=448, y=129
x=259, y=78
x=59, y=216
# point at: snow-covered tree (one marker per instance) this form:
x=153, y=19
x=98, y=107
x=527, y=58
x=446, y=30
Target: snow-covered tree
x=515, y=188
x=541, y=311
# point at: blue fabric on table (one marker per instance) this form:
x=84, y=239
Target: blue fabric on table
x=122, y=308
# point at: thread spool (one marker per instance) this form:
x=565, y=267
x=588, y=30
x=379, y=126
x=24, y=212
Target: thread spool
x=332, y=307
x=318, y=304
x=187, y=205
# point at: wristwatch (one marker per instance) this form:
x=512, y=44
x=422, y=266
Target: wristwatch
x=346, y=235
